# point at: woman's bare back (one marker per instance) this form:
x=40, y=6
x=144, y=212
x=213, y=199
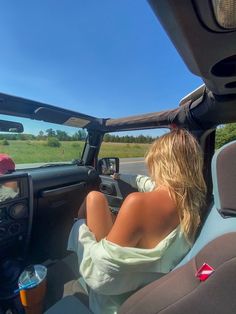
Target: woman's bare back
x=144, y=219
x=159, y=215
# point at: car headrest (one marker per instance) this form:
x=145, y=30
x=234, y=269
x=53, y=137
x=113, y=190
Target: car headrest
x=224, y=179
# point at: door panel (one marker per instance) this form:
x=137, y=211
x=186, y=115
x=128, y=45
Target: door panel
x=115, y=191
x=58, y=194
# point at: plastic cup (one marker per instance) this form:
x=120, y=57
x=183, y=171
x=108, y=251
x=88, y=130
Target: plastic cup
x=32, y=285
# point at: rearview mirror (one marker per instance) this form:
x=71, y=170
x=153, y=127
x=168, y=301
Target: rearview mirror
x=108, y=165
x=10, y=126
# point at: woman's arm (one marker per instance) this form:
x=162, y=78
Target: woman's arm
x=140, y=182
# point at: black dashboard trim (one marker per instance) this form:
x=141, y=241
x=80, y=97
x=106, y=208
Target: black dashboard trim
x=64, y=189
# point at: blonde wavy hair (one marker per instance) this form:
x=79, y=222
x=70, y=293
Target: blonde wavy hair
x=175, y=160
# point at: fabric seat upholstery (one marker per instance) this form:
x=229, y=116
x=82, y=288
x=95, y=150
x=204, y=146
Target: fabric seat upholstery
x=70, y=305
x=181, y=292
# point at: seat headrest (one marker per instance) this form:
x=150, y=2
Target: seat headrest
x=224, y=179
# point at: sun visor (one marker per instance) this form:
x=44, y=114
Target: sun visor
x=60, y=117
x=50, y=115
x=77, y=122
x=26, y=108
x=63, y=117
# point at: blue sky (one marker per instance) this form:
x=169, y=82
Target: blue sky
x=106, y=58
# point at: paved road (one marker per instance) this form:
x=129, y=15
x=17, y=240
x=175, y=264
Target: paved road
x=133, y=165
x=127, y=165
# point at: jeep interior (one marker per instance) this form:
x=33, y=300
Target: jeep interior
x=35, y=224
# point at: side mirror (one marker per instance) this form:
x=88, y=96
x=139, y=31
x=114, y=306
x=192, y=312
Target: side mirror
x=108, y=165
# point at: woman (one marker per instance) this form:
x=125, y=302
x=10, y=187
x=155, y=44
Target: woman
x=152, y=231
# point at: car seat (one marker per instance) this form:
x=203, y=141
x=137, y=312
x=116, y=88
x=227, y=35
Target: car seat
x=183, y=290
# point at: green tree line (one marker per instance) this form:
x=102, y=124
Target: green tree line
x=128, y=139
x=80, y=135
x=225, y=134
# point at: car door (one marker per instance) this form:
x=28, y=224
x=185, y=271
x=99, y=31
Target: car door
x=58, y=193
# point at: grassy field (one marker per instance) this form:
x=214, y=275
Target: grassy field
x=123, y=150
x=38, y=151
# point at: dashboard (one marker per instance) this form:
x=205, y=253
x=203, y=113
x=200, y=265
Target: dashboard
x=37, y=216
x=16, y=213
x=37, y=211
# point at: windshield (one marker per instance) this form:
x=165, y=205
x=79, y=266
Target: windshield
x=42, y=143
x=131, y=147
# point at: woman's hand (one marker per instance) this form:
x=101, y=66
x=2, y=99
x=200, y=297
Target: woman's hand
x=115, y=176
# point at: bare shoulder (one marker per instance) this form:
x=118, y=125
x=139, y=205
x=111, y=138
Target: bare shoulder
x=140, y=213
x=132, y=204
x=134, y=198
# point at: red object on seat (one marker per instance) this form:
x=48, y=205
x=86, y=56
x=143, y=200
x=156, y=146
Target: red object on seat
x=204, y=272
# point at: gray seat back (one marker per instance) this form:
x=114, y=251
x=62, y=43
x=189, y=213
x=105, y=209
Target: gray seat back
x=222, y=215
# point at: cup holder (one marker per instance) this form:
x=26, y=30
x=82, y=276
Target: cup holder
x=225, y=68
